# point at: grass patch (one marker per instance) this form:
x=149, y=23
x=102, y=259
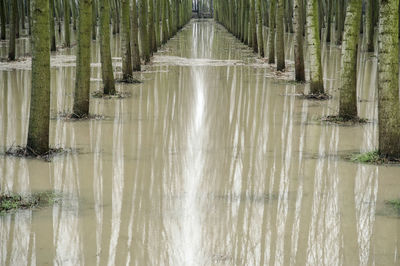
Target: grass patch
x=317, y=97
x=13, y=202
x=117, y=95
x=344, y=120
x=27, y=152
x=373, y=157
x=394, y=205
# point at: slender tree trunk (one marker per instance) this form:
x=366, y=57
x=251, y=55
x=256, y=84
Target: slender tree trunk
x=280, y=33
x=165, y=33
x=82, y=81
x=271, y=35
x=329, y=21
x=29, y=16
x=53, y=46
x=144, y=33
x=316, y=82
x=289, y=14
x=340, y=21
x=369, y=24
x=13, y=9
x=126, y=43
x=2, y=20
x=22, y=16
x=105, y=50
x=135, y=41
x=170, y=20
x=157, y=22
x=348, y=72
x=152, y=33
x=299, y=41
x=39, y=118
x=388, y=79
x=16, y=19
x=260, y=40
x=94, y=19
x=67, y=37
x=253, y=29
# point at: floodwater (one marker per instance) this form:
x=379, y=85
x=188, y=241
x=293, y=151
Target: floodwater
x=212, y=160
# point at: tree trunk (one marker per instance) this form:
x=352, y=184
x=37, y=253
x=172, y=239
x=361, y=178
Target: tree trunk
x=260, y=40
x=135, y=41
x=39, y=118
x=94, y=20
x=144, y=33
x=165, y=33
x=2, y=20
x=67, y=38
x=348, y=71
x=316, y=82
x=157, y=23
x=388, y=79
x=53, y=46
x=280, y=41
x=253, y=29
x=369, y=25
x=329, y=21
x=22, y=16
x=105, y=51
x=11, y=49
x=152, y=33
x=271, y=35
x=126, y=43
x=299, y=41
x=82, y=81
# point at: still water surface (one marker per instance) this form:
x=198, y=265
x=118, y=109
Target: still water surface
x=213, y=160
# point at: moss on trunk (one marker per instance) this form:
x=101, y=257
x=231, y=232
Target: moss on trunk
x=39, y=118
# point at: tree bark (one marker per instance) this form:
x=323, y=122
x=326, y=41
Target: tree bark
x=126, y=43
x=165, y=33
x=144, y=33
x=2, y=20
x=299, y=41
x=53, y=46
x=39, y=118
x=388, y=79
x=271, y=35
x=348, y=72
x=94, y=20
x=260, y=39
x=280, y=33
x=105, y=51
x=13, y=26
x=135, y=39
x=369, y=25
x=82, y=80
x=67, y=38
x=313, y=41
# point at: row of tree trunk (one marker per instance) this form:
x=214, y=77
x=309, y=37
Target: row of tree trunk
x=155, y=20
x=344, y=20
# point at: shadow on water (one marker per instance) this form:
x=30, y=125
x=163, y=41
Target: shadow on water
x=211, y=161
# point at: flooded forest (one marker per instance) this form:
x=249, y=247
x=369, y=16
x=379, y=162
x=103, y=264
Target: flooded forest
x=199, y=132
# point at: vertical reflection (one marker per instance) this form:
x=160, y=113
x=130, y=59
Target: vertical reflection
x=117, y=180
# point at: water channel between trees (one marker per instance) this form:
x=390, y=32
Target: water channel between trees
x=212, y=160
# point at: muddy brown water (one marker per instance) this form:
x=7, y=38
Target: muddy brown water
x=212, y=160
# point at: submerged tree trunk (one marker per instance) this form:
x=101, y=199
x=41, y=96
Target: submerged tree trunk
x=13, y=26
x=2, y=20
x=280, y=31
x=316, y=82
x=53, y=46
x=144, y=34
x=348, y=72
x=135, y=41
x=126, y=43
x=82, y=81
x=105, y=51
x=39, y=118
x=271, y=35
x=388, y=79
x=67, y=38
x=260, y=39
x=299, y=40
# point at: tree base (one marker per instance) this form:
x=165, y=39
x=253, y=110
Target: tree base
x=316, y=96
x=117, y=95
x=129, y=80
x=344, y=120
